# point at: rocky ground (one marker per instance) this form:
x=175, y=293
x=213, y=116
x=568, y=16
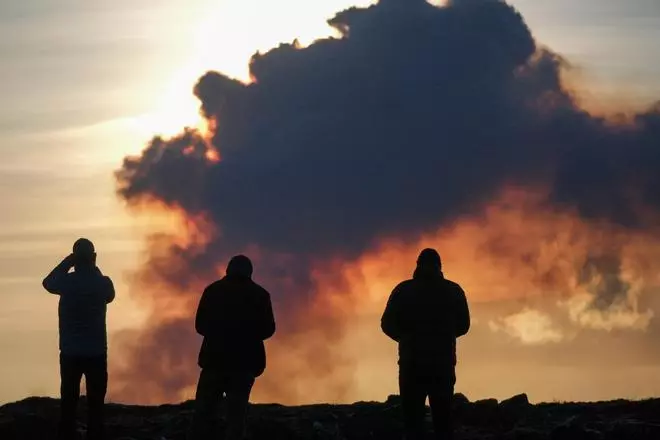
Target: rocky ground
x=512, y=419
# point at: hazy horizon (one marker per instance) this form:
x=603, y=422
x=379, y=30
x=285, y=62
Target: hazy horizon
x=90, y=84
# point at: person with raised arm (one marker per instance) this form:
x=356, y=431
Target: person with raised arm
x=84, y=294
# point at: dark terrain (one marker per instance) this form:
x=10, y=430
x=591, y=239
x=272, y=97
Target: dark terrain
x=515, y=418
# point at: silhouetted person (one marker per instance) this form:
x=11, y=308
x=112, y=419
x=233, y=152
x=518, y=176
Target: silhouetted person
x=84, y=295
x=425, y=315
x=235, y=317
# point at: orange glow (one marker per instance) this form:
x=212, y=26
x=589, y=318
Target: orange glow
x=212, y=155
x=516, y=248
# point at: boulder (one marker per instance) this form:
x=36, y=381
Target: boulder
x=517, y=402
x=514, y=409
x=393, y=400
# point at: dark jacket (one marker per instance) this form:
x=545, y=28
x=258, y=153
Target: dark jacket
x=425, y=315
x=235, y=316
x=84, y=295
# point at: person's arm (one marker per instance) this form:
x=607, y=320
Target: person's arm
x=108, y=290
x=106, y=286
x=390, y=322
x=462, y=313
x=203, y=318
x=266, y=324
x=55, y=281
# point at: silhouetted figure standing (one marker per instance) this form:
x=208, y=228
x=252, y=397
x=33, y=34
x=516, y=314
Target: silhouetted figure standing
x=84, y=295
x=235, y=317
x=425, y=315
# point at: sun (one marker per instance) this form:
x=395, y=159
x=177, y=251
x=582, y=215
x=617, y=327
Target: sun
x=221, y=41
x=175, y=109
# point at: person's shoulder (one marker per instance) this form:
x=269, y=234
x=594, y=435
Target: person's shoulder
x=216, y=285
x=453, y=285
x=103, y=281
x=405, y=285
x=259, y=290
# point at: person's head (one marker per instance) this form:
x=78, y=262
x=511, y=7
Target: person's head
x=84, y=253
x=239, y=266
x=429, y=261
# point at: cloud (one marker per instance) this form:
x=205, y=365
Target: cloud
x=414, y=119
x=531, y=327
x=607, y=299
x=406, y=122
x=620, y=315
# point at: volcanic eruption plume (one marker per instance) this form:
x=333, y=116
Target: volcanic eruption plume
x=420, y=125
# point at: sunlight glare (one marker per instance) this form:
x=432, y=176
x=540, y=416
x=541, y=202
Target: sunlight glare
x=227, y=35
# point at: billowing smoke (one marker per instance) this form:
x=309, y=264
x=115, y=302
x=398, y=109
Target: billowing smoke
x=411, y=128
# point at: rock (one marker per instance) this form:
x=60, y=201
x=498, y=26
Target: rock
x=486, y=403
x=516, y=402
x=633, y=429
x=574, y=432
x=460, y=400
x=524, y=434
x=460, y=406
x=481, y=420
x=393, y=399
x=263, y=428
x=514, y=409
x=482, y=413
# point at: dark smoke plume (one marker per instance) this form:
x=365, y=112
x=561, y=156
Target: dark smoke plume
x=415, y=116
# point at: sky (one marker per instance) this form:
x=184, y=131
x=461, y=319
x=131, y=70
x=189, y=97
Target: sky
x=85, y=84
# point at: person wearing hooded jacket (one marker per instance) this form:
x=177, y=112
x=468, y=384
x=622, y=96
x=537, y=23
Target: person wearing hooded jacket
x=235, y=317
x=425, y=315
x=84, y=295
